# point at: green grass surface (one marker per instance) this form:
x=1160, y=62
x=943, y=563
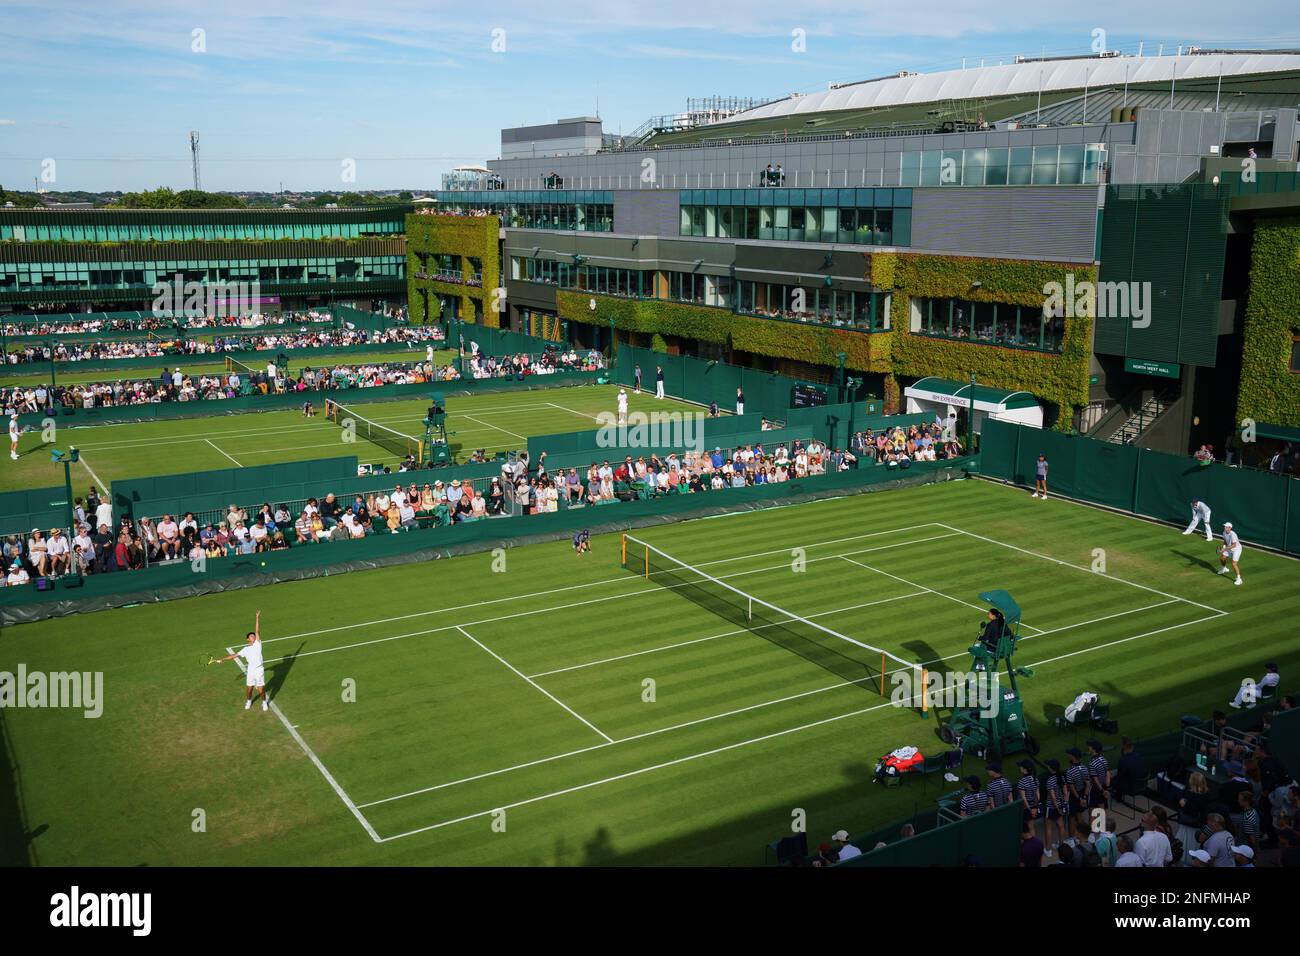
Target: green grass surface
x=32, y=374
x=494, y=421
x=523, y=691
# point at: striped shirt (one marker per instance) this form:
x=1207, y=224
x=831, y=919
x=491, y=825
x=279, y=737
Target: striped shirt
x=1027, y=787
x=1098, y=769
x=1249, y=823
x=976, y=802
x=1054, y=790
x=1076, y=777
x=999, y=791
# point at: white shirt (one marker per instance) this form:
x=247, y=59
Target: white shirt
x=104, y=514
x=252, y=655
x=622, y=401
x=59, y=545
x=848, y=851
x=14, y=431
x=1153, y=848
x=18, y=577
x=167, y=530
x=1230, y=540
x=1202, y=509
x=1129, y=859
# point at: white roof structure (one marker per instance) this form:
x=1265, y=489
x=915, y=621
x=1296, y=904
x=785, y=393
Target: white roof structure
x=1021, y=79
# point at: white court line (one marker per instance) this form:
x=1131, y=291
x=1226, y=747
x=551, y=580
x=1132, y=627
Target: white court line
x=536, y=685
x=1028, y=627
x=231, y=457
x=741, y=710
x=1077, y=567
x=574, y=587
x=572, y=412
x=311, y=755
x=99, y=483
x=738, y=745
x=640, y=591
x=714, y=637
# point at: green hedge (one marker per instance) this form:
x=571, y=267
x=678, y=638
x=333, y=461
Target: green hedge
x=465, y=236
x=1269, y=390
x=1058, y=378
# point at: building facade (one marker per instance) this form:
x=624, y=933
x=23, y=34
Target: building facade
x=1082, y=229
x=71, y=260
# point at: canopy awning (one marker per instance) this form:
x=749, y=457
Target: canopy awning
x=1279, y=432
x=959, y=394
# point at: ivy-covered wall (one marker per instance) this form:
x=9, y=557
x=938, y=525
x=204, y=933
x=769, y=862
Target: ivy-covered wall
x=1269, y=390
x=1061, y=379
x=465, y=236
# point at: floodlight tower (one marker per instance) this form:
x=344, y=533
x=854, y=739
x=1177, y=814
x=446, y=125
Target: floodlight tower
x=194, y=156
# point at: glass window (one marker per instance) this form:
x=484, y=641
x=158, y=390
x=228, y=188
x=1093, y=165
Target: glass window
x=950, y=168
x=1045, y=159
x=973, y=163
x=1070, y=166
x=1022, y=165
x=930, y=163
x=995, y=167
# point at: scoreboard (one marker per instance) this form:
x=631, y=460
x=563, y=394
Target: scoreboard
x=808, y=395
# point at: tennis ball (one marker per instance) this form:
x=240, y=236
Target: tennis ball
x=263, y=564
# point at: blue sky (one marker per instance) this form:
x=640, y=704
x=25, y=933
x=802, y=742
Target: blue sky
x=284, y=92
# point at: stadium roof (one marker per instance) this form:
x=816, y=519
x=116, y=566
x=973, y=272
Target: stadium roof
x=1019, y=79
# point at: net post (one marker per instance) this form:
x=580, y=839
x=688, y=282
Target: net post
x=925, y=679
x=647, y=562
x=882, y=673
x=623, y=551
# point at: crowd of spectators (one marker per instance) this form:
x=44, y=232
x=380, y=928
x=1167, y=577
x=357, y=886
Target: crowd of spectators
x=514, y=366
x=302, y=338
x=898, y=447
x=60, y=325
x=177, y=386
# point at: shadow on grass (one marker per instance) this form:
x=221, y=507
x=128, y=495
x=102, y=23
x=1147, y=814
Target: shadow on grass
x=280, y=672
x=1194, y=560
x=16, y=840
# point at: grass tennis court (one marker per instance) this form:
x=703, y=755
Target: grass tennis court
x=495, y=421
x=521, y=697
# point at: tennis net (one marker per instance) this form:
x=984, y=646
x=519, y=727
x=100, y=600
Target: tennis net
x=234, y=365
x=386, y=438
x=849, y=659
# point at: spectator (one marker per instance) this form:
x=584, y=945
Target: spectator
x=842, y=846
x=1217, y=841
x=1031, y=848
x=1199, y=858
x=1153, y=846
x=1130, y=772
x=17, y=575
x=1243, y=856
x=1127, y=856
x=1249, y=691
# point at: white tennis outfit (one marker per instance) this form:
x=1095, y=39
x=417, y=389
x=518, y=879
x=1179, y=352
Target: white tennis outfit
x=1232, y=544
x=1201, y=512
x=252, y=655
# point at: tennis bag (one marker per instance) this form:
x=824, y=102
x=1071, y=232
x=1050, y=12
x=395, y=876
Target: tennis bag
x=902, y=760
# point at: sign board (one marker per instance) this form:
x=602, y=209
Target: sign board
x=807, y=395
x=1148, y=367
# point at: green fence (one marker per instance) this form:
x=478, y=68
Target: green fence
x=240, y=484
x=43, y=508
x=1264, y=508
x=495, y=342
x=992, y=838
x=173, y=581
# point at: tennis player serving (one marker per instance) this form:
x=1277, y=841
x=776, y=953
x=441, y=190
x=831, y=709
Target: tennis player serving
x=255, y=673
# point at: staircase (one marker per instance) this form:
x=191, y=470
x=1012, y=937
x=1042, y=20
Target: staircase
x=1142, y=419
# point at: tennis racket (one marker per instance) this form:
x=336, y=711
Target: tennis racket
x=211, y=660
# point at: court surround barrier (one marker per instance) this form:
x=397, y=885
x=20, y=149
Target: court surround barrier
x=700, y=381
x=1264, y=508
x=992, y=837
x=173, y=581
x=43, y=508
